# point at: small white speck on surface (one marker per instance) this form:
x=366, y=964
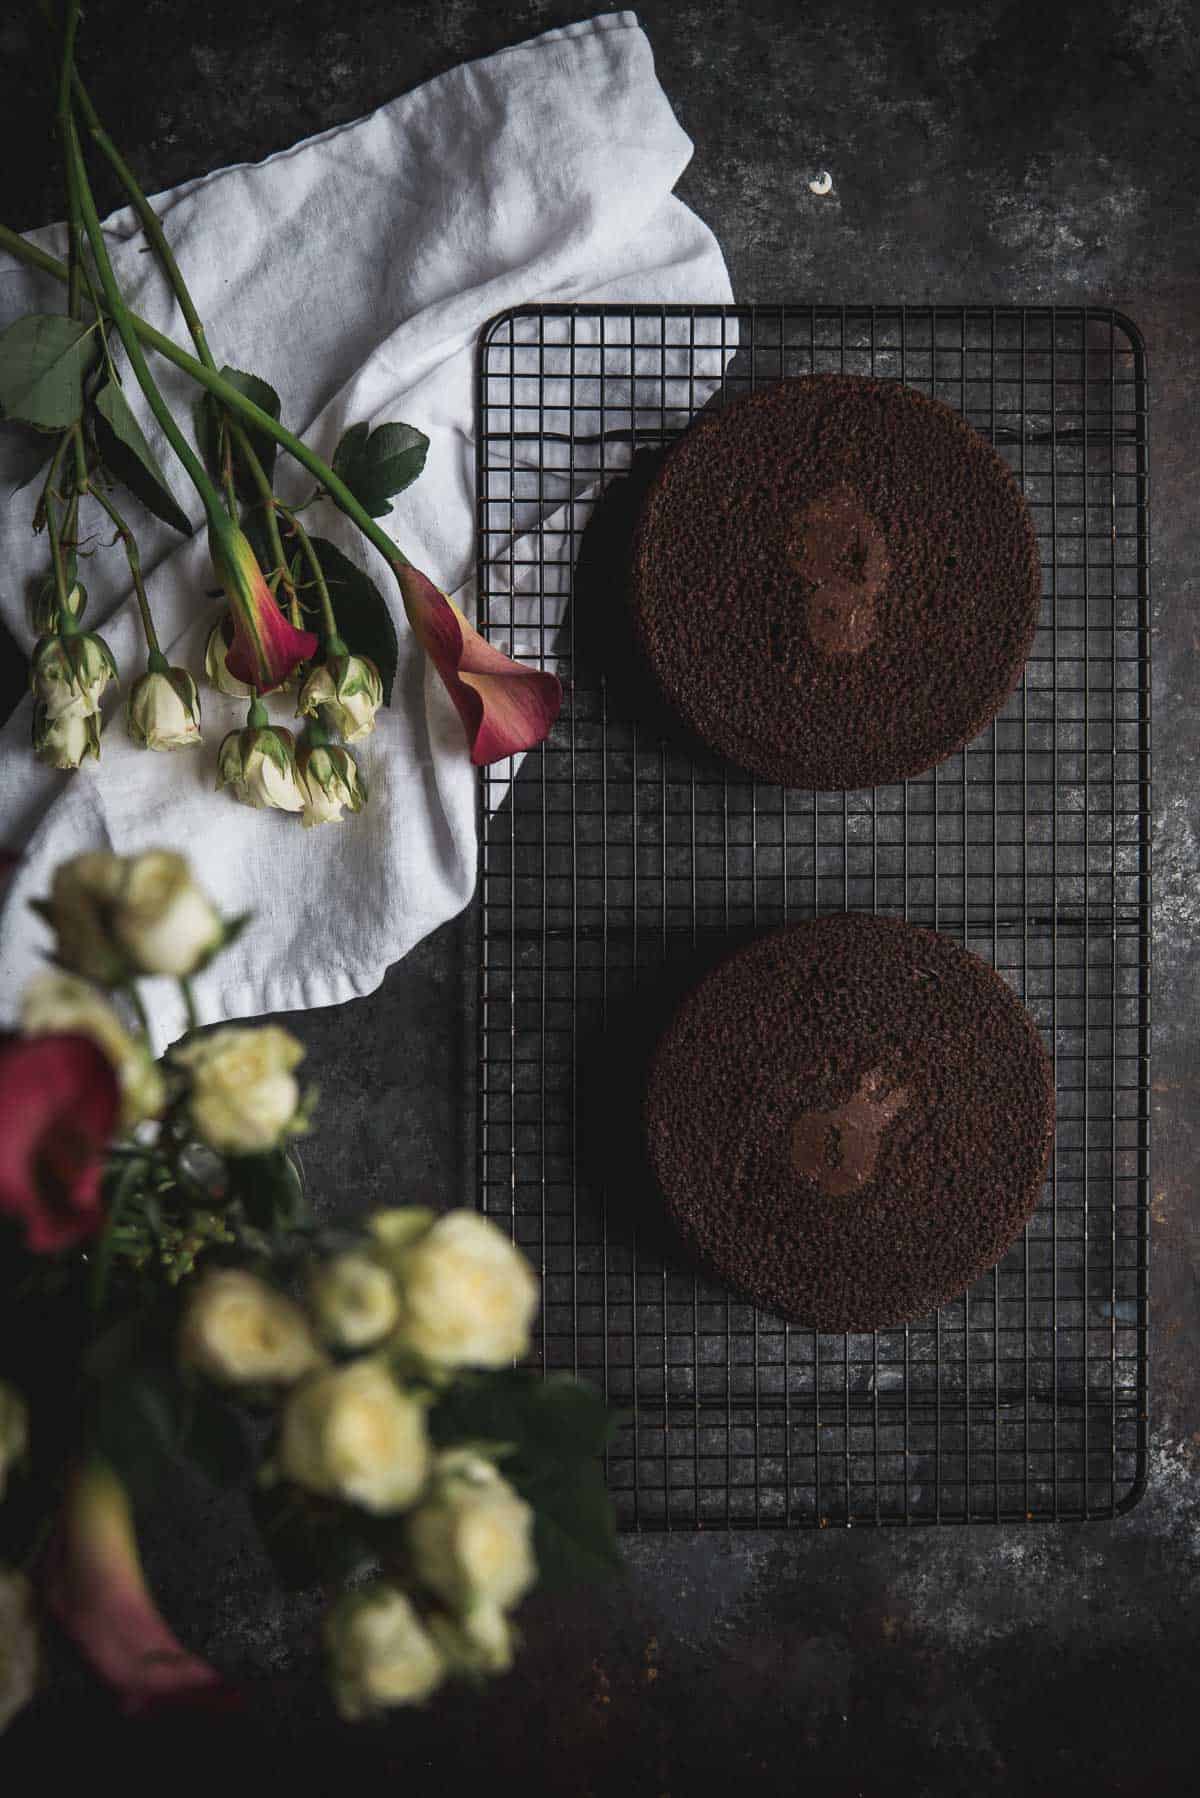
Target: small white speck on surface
x=822, y=183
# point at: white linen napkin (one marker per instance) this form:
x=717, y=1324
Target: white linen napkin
x=353, y=272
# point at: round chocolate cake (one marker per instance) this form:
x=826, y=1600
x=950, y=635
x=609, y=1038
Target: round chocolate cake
x=836, y=581
x=851, y=1121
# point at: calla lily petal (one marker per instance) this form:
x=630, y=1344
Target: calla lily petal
x=97, y=1591
x=504, y=707
x=266, y=649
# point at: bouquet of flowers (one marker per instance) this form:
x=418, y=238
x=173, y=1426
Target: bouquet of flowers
x=298, y=614
x=166, y=1294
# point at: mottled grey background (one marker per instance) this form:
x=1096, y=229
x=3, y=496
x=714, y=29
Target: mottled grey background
x=1023, y=150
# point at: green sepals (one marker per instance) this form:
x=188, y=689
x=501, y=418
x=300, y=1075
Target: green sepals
x=43, y=360
x=378, y=464
x=127, y=455
x=206, y=419
x=363, y=619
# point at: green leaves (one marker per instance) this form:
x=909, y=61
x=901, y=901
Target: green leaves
x=43, y=359
x=144, y=1417
x=377, y=465
x=206, y=416
x=363, y=620
x=129, y=457
x=559, y=1429
x=270, y=1189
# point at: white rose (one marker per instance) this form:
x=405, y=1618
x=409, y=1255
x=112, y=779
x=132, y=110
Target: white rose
x=165, y=922
x=331, y=782
x=14, y=1431
x=259, y=764
x=215, y=666
x=69, y=673
x=18, y=1645
x=354, y=1434
x=380, y=1653
x=164, y=710
x=83, y=896
x=354, y=1301
x=346, y=691
x=481, y=1642
x=66, y=740
x=244, y=1096
x=467, y=1295
x=56, y=1002
x=239, y=1331
x=471, y=1539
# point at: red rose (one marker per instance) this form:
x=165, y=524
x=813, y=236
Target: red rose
x=59, y=1101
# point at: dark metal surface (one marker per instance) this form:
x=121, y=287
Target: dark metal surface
x=617, y=855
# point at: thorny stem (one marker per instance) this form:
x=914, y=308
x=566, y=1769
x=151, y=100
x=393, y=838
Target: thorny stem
x=74, y=256
x=211, y=499
x=229, y=396
x=49, y=494
x=333, y=642
x=135, y=567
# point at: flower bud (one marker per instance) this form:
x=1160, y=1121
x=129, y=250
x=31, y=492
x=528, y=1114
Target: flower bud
x=259, y=763
x=14, y=1430
x=471, y=1539
x=164, y=710
x=481, y=1642
x=60, y=1004
x=330, y=778
x=346, y=691
x=18, y=1645
x=68, y=674
x=354, y=1434
x=243, y=1096
x=467, y=1296
x=216, y=666
x=241, y=1332
x=354, y=1301
x=164, y=921
x=379, y=1651
x=83, y=896
x=66, y=740
x=46, y=609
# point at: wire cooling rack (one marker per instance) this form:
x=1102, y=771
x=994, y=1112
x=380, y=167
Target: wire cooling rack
x=623, y=859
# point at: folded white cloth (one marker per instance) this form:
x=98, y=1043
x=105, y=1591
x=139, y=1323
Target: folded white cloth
x=354, y=273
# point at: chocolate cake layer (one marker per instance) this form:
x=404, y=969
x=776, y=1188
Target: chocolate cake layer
x=836, y=581
x=851, y=1120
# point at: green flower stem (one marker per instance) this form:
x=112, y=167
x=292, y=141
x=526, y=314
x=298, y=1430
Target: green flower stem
x=189, y=1004
x=66, y=72
x=258, y=714
x=139, y=1010
x=258, y=475
x=102, y=1265
x=134, y=559
x=49, y=494
x=218, y=519
x=229, y=396
x=333, y=642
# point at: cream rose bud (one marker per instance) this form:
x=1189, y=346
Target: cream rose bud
x=215, y=651
x=471, y=1539
x=380, y=1653
x=65, y=741
x=481, y=1642
x=164, y=710
x=354, y=1301
x=69, y=673
x=83, y=897
x=244, y=1096
x=165, y=922
x=346, y=691
x=467, y=1296
x=241, y=1332
x=14, y=1431
x=259, y=764
x=355, y=1434
x=332, y=783
x=18, y=1645
x=55, y=1002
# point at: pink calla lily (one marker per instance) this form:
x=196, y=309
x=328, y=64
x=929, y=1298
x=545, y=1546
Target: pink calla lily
x=266, y=649
x=98, y=1593
x=504, y=708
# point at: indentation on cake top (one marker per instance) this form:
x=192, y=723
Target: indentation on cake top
x=840, y=554
x=839, y=1148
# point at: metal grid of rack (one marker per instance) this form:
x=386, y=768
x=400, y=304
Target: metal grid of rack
x=621, y=858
